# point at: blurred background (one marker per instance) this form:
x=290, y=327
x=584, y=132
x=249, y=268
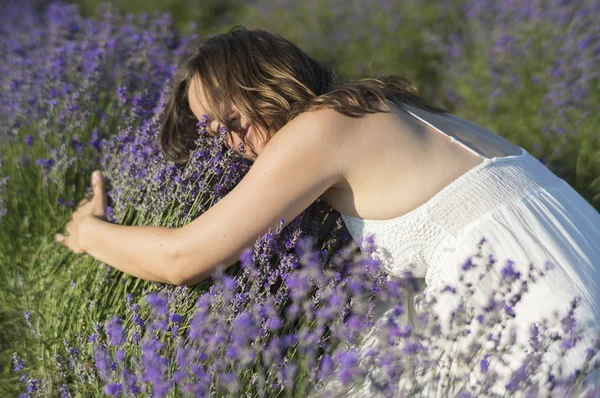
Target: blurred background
x=523, y=69
x=357, y=37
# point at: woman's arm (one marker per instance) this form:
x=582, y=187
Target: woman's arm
x=142, y=251
x=304, y=159
x=298, y=165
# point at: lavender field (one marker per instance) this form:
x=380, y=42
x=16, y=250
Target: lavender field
x=80, y=93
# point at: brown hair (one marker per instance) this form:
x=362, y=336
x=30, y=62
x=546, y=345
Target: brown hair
x=271, y=81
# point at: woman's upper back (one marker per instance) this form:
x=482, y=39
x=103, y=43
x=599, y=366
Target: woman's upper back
x=396, y=162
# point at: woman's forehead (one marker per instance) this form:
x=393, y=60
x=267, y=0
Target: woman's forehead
x=200, y=103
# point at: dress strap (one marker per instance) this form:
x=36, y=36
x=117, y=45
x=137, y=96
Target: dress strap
x=441, y=132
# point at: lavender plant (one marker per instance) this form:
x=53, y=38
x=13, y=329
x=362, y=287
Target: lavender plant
x=313, y=343
x=63, y=79
x=273, y=326
x=208, y=176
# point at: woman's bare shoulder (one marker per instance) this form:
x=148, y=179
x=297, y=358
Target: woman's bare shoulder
x=324, y=116
x=326, y=126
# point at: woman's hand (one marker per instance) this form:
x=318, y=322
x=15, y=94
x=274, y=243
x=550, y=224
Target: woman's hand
x=94, y=207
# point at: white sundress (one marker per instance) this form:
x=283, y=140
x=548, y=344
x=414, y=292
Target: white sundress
x=526, y=214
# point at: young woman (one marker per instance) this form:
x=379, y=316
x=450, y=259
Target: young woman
x=427, y=183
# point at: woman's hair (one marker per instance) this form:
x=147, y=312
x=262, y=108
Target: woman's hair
x=271, y=81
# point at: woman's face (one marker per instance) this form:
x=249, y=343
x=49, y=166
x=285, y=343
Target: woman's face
x=198, y=104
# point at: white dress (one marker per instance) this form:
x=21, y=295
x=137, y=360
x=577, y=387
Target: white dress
x=528, y=215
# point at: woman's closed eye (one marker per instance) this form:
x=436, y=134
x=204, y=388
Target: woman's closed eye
x=234, y=123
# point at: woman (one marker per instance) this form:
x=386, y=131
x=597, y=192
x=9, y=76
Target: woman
x=428, y=184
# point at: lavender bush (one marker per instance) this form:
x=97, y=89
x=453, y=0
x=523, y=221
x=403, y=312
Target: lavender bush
x=240, y=339
x=63, y=79
x=289, y=318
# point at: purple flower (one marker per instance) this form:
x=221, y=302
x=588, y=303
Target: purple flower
x=46, y=164
x=64, y=391
x=413, y=347
x=103, y=362
x=115, y=332
x=325, y=367
x=158, y=303
x=448, y=288
x=568, y=323
x=568, y=343
x=121, y=95
x=509, y=273
x=468, y=264
x=516, y=378
x=33, y=386
x=246, y=258
x=18, y=363
x=509, y=310
x=229, y=283
x=354, y=323
x=274, y=323
x=484, y=364
x=113, y=389
x=176, y=318
x=349, y=366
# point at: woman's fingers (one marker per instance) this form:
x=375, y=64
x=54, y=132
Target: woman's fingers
x=68, y=227
x=87, y=197
x=62, y=239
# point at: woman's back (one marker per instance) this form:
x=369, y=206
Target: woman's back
x=397, y=162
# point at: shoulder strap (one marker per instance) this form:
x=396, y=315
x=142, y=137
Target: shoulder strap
x=441, y=132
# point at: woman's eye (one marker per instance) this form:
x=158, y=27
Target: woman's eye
x=233, y=122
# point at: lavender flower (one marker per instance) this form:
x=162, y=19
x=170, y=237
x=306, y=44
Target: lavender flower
x=115, y=332
x=158, y=303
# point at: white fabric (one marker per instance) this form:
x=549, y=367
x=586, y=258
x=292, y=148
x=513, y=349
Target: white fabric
x=527, y=214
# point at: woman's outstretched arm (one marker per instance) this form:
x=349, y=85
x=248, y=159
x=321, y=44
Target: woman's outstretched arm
x=302, y=161
x=145, y=252
x=297, y=166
